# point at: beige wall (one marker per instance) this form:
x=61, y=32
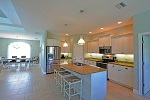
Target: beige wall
x=58, y=37
x=121, y=30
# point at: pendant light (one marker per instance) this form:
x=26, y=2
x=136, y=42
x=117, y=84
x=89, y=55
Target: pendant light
x=65, y=44
x=81, y=41
x=16, y=45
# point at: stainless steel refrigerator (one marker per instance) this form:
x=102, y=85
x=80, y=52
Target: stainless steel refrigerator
x=52, y=58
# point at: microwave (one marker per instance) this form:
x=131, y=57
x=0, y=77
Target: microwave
x=105, y=49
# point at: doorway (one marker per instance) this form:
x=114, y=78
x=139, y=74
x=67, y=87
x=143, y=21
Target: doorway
x=144, y=63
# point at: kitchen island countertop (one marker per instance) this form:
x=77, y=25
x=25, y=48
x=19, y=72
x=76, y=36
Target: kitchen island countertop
x=85, y=69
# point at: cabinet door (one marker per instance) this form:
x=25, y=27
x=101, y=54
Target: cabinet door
x=50, y=42
x=104, y=41
x=86, y=62
x=93, y=63
x=89, y=49
x=56, y=42
x=53, y=42
x=117, y=45
x=101, y=41
x=113, y=72
x=93, y=46
x=78, y=55
x=128, y=44
x=107, y=41
x=126, y=76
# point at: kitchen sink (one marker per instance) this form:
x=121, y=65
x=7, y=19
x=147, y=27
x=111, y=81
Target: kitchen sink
x=79, y=64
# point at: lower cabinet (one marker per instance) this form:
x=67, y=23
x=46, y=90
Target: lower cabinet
x=89, y=62
x=121, y=74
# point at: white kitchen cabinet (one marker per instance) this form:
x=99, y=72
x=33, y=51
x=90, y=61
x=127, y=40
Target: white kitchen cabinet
x=53, y=42
x=65, y=49
x=122, y=44
x=105, y=40
x=93, y=46
x=78, y=53
x=126, y=76
x=117, y=44
x=113, y=72
x=121, y=74
x=89, y=62
x=128, y=44
x=86, y=62
x=93, y=63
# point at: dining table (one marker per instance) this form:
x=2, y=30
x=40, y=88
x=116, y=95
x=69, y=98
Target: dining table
x=5, y=61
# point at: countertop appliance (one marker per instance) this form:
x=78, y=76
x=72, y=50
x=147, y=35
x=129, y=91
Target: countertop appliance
x=52, y=58
x=105, y=59
x=105, y=49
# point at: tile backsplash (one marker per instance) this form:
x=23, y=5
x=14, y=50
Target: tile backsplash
x=120, y=57
x=94, y=55
x=125, y=57
x=67, y=54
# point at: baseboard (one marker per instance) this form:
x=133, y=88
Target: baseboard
x=43, y=71
x=135, y=91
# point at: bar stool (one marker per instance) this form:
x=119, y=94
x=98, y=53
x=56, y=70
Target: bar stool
x=61, y=76
x=75, y=83
x=56, y=71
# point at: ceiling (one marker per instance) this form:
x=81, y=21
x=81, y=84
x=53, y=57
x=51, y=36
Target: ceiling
x=26, y=18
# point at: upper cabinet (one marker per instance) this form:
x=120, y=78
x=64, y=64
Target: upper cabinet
x=53, y=42
x=65, y=49
x=105, y=40
x=122, y=44
x=93, y=46
x=78, y=53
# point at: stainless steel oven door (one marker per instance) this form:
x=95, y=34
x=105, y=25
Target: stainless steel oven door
x=101, y=64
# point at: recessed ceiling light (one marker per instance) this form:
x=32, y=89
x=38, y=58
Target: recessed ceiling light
x=102, y=28
x=119, y=22
x=90, y=32
x=66, y=34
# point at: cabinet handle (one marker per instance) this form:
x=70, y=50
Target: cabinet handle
x=126, y=68
x=119, y=70
x=113, y=66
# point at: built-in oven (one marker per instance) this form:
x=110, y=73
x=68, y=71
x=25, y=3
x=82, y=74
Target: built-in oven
x=105, y=49
x=105, y=60
x=101, y=64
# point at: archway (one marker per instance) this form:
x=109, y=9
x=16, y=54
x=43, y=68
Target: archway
x=19, y=49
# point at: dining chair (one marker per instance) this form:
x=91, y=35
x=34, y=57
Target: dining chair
x=23, y=61
x=35, y=59
x=13, y=61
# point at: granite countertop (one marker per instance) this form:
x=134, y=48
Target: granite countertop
x=128, y=64
x=92, y=59
x=85, y=69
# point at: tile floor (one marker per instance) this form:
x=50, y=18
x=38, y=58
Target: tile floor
x=31, y=84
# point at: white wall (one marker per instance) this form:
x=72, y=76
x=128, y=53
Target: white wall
x=141, y=24
x=43, y=51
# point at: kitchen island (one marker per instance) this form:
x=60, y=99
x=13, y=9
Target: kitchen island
x=94, y=80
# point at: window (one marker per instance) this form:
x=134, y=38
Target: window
x=23, y=49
